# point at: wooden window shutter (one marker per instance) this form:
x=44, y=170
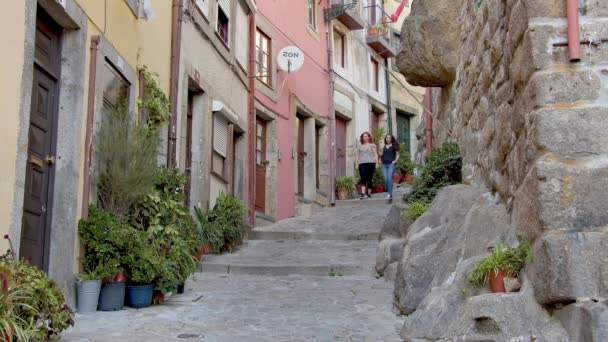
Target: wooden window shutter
x=220, y=135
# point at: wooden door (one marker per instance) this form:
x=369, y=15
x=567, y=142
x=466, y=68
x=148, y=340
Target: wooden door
x=301, y=155
x=188, y=166
x=375, y=124
x=260, y=166
x=340, y=147
x=403, y=131
x=37, y=202
x=317, y=156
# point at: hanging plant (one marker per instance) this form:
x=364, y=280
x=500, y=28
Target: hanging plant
x=155, y=103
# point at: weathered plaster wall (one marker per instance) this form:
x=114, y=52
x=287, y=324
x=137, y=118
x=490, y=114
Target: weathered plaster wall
x=309, y=86
x=12, y=34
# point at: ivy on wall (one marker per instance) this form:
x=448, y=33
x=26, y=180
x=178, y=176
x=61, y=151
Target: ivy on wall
x=155, y=103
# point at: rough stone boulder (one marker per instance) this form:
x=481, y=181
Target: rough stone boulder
x=391, y=241
x=585, y=321
x=430, y=38
x=569, y=266
x=462, y=222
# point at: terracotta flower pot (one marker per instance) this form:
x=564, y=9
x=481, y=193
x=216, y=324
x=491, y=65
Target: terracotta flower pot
x=207, y=248
x=408, y=178
x=379, y=189
x=497, y=283
x=119, y=278
x=397, y=177
x=342, y=194
x=373, y=31
x=199, y=253
x=158, y=297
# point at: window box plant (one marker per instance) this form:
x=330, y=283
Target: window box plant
x=378, y=181
x=502, y=262
x=345, y=186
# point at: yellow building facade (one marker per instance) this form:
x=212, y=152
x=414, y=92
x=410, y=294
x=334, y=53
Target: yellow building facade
x=54, y=49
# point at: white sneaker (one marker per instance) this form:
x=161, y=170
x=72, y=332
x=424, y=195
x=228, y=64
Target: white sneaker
x=388, y=196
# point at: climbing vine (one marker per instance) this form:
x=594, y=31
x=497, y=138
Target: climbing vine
x=155, y=103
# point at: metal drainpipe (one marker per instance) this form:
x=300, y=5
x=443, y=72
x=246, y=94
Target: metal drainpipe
x=176, y=37
x=88, y=150
x=574, y=40
x=332, y=113
x=429, y=121
x=388, y=98
x=252, y=120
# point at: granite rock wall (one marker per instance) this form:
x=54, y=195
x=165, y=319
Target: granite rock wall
x=531, y=126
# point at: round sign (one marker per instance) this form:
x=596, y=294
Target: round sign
x=290, y=58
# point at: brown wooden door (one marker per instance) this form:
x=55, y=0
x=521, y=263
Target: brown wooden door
x=188, y=166
x=260, y=166
x=301, y=156
x=375, y=124
x=37, y=202
x=317, y=156
x=340, y=147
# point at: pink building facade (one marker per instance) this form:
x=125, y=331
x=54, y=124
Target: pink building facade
x=292, y=150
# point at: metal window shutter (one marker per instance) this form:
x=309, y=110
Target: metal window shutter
x=220, y=134
x=225, y=4
x=242, y=35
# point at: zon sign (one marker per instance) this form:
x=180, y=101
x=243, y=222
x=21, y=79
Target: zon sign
x=290, y=58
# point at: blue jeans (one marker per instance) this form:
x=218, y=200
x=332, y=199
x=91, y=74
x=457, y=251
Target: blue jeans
x=388, y=170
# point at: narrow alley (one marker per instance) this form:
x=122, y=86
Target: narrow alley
x=302, y=279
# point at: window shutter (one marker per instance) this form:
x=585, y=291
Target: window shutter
x=220, y=135
x=225, y=4
x=242, y=35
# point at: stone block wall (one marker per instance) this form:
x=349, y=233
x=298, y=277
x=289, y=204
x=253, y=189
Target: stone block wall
x=532, y=126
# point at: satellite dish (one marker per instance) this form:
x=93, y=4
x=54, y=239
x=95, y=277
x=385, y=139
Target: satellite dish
x=290, y=58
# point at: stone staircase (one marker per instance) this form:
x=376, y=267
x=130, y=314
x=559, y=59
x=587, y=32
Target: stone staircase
x=337, y=241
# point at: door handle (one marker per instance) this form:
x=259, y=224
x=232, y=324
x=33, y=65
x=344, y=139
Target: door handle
x=49, y=160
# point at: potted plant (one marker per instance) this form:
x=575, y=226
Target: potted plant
x=374, y=30
x=378, y=181
x=142, y=267
x=406, y=166
x=33, y=306
x=211, y=237
x=345, y=186
x=502, y=262
x=112, y=295
x=88, y=287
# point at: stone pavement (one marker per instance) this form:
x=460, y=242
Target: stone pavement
x=297, y=280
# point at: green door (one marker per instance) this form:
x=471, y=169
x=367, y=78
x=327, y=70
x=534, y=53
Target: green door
x=403, y=131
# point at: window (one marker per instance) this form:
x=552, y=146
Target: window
x=375, y=75
x=241, y=41
x=397, y=46
x=115, y=88
x=312, y=14
x=262, y=58
x=339, y=49
x=223, y=24
x=220, y=145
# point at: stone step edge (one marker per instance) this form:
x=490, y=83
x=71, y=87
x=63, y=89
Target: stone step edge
x=283, y=235
x=286, y=270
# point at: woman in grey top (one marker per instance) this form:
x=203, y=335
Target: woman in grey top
x=367, y=160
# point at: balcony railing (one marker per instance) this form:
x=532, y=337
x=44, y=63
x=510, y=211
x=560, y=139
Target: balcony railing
x=379, y=32
x=348, y=12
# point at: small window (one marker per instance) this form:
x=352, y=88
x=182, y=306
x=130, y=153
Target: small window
x=115, y=88
x=339, y=49
x=223, y=25
x=220, y=144
x=312, y=14
x=397, y=46
x=375, y=75
x=262, y=58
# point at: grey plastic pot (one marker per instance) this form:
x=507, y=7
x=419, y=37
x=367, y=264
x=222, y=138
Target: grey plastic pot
x=88, y=295
x=112, y=296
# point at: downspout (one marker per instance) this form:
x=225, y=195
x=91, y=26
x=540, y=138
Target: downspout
x=429, y=120
x=574, y=40
x=332, y=113
x=252, y=120
x=389, y=108
x=88, y=146
x=176, y=37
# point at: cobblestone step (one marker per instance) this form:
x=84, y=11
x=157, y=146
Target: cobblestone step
x=289, y=257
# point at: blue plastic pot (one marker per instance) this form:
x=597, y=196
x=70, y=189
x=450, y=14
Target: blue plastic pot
x=112, y=296
x=139, y=296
